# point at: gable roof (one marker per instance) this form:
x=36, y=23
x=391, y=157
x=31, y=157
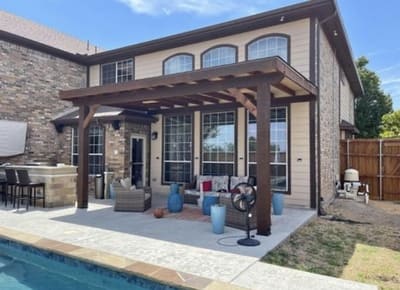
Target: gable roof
x=28, y=29
x=326, y=11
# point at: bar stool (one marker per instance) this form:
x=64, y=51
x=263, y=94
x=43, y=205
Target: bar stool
x=3, y=186
x=11, y=186
x=25, y=182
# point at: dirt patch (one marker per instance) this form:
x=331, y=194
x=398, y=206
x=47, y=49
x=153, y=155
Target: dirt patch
x=347, y=242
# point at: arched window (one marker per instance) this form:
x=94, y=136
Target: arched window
x=270, y=45
x=178, y=63
x=220, y=55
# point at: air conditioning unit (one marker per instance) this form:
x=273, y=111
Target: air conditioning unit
x=351, y=175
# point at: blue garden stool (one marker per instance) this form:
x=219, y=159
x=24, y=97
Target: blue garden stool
x=175, y=201
x=208, y=201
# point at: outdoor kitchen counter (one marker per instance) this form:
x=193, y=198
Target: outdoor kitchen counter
x=60, y=182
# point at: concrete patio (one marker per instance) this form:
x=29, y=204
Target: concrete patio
x=180, y=245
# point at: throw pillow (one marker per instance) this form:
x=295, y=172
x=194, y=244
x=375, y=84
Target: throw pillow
x=207, y=185
x=126, y=183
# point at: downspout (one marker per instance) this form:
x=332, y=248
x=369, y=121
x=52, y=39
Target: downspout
x=321, y=211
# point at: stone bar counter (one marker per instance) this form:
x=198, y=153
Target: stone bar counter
x=60, y=182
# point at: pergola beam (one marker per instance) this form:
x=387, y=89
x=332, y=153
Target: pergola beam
x=180, y=91
x=83, y=157
x=263, y=204
x=245, y=101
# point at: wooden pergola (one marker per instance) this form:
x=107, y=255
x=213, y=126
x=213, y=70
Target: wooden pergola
x=253, y=84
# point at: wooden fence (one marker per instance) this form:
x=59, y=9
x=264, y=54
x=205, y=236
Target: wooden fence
x=378, y=162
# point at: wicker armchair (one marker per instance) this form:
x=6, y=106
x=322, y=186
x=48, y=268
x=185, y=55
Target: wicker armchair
x=235, y=218
x=138, y=200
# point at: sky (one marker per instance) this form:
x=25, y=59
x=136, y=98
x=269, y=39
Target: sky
x=372, y=25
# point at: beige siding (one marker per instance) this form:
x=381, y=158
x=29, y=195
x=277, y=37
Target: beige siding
x=299, y=155
x=150, y=65
x=94, y=79
x=156, y=158
x=241, y=141
x=197, y=142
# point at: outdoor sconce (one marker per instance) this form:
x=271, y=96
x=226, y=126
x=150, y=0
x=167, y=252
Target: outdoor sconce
x=59, y=128
x=116, y=124
x=154, y=135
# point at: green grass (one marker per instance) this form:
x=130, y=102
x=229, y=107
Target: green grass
x=333, y=249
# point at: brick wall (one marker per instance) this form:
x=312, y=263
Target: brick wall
x=29, y=85
x=329, y=119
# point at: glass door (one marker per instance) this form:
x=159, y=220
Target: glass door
x=137, y=161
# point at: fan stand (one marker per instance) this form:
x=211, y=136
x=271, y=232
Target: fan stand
x=248, y=241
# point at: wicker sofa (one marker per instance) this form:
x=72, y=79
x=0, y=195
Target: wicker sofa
x=192, y=193
x=235, y=218
x=222, y=183
x=137, y=200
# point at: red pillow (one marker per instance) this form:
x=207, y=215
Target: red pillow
x=207, y=185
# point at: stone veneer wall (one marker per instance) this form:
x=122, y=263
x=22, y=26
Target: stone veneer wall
x=29, y=82
x=329, y=119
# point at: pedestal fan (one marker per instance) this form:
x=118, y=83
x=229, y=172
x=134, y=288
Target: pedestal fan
x=243, y=198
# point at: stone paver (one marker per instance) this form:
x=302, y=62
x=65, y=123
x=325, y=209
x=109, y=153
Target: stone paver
x=165, y=249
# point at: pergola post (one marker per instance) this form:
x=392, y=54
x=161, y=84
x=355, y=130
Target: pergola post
x=83, y=157
x=263, y=160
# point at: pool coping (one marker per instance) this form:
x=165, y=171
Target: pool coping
x=118, y=263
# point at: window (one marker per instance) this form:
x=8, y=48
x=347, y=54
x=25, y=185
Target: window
x=96, y=149
x=218, y=143
x=220, y=55
x=269, y=46
x=178, y=63
x=278, y=149
x=177, y=148
x=117, y=72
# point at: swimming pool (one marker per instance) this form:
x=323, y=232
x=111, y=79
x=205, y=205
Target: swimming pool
x=24, y=267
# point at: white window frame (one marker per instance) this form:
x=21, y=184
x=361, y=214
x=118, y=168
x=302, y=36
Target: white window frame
x=117, y=64
x=170, y=61
x=269, y=51
x=90, y=154
x=287, y=147
x=217, y=57
x=235, y=140
x=164, y=161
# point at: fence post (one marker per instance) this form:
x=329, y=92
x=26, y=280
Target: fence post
x=380, y=169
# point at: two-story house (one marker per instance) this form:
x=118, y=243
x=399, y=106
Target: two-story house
x=201, y=102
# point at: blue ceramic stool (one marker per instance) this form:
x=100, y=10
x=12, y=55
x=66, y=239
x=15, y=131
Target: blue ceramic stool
x=218, y=214
x=208, y=201
x=175, y=201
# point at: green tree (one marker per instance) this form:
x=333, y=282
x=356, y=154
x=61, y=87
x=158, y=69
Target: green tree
x=390, y=125
x=370, y=108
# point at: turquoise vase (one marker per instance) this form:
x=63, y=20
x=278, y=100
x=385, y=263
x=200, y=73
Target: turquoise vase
x=277, y=203
x=175, y=201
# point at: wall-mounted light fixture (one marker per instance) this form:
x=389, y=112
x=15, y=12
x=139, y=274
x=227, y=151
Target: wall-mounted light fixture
x=59, y=128
x=116, y=124
x=154, y=135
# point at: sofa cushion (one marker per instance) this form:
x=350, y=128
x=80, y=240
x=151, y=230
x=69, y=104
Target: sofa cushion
x=200, y=180
x=192, y=192
x=207, y=185
x=126, y=183
x=220, y=183
x=235, y=180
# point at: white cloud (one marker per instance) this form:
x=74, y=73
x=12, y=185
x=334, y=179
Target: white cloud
x=203, y=7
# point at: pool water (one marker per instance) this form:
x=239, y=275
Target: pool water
x=26, y=268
